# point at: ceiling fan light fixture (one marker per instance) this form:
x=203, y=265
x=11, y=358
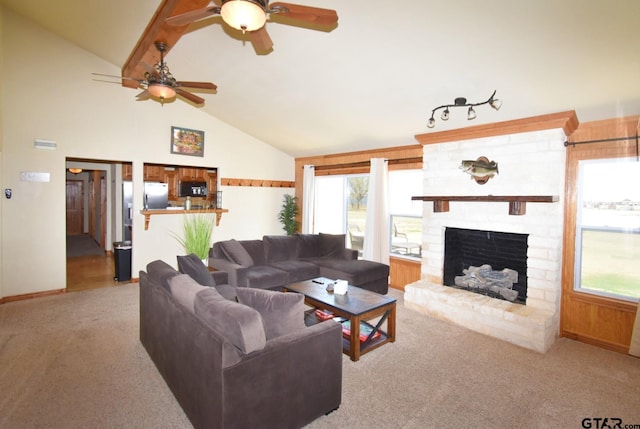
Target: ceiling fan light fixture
x=161, y=91
x=244, y=15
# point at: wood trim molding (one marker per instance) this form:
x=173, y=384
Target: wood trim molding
x=568, y=121
x=258, y=183
x=31, y=295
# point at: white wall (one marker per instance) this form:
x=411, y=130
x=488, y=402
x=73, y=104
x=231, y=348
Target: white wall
x=48, y=93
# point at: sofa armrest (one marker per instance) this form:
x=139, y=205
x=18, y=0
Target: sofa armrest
x=236, y=274
x=305, y=364
x=349, y=254
x=220, y=277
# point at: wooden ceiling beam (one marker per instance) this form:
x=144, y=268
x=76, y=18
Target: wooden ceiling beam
x=157, y=30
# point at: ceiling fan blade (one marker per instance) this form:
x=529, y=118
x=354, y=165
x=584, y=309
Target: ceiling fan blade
x=313, y=15
x=144, y=95
x=150, y=69
x=261, y=40
x=189, y=96
x=197, y=85
x=115, y=77
x=194, y=15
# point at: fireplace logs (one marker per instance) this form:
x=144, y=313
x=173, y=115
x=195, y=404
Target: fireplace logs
x=484, y=278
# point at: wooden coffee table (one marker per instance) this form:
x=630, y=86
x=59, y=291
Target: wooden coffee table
x=358, y=306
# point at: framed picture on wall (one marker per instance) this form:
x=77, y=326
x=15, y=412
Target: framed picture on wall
x=187, y=142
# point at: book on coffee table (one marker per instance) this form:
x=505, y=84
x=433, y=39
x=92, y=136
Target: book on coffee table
x=324, y=314
x=365, y=330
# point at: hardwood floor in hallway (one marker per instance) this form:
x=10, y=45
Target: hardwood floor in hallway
x=91, y=272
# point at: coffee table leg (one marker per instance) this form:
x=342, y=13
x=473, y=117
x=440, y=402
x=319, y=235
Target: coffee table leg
x=354, y=341
x=391, y=324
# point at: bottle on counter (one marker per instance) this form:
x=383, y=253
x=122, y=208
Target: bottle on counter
x=187, y=203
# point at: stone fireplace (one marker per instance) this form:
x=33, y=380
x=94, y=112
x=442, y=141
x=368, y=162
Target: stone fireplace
x=530, y=163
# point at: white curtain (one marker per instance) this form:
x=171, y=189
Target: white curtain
x=308, y=198
x=376, y=236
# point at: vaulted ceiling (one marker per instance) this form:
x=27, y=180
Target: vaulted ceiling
x=373, y=80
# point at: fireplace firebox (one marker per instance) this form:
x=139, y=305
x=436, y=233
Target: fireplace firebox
x=464, y=248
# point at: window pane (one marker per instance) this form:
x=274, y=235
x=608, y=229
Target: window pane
x=608, y=228
x=406, y=236
x=357, y=190
x=406, y=215
x=329, y=215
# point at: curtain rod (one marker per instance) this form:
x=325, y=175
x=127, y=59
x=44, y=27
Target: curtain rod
x=568, y=143
x=367, y=163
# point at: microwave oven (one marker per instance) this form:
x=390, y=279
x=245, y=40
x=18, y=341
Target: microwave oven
x=193, y=189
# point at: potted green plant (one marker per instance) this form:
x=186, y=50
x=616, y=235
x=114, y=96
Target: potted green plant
x=288, y=213
x=197, y=230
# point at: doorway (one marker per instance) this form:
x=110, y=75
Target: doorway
x=90, y=211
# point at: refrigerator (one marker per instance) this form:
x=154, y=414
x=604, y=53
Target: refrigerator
x=156, y=195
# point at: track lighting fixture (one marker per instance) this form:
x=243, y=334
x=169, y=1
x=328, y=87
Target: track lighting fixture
x=462, y=102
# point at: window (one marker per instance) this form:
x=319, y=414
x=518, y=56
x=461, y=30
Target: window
x=406, y=215
x=341, y=207
x=608, y=228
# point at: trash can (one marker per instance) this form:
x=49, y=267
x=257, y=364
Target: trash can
x=122, y=254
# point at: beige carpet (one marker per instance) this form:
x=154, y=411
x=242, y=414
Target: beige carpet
x=74, y=361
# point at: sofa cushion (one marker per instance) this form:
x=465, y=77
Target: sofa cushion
x=298, y=270
x=193, y=266
x=281, y=312
x=234, y=252
x=265, y=277
x=308, y=245
x=184, y=289
x=279, y=248
x=332, y=244
x=355, y=272
x=240, y=324
x=161, y=272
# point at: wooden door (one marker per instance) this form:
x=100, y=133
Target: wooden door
x=75, y=207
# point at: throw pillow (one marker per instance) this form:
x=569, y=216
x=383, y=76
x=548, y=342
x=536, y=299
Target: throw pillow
x=240, y=324
x=281, y=312
x=279, y=248
x=192, y=265
x=184, y=290
x=234, y=252
x=332, y=244
x=308, y=245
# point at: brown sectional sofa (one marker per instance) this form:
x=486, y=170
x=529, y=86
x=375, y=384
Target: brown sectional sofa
x=278, y=260
x=248, y=362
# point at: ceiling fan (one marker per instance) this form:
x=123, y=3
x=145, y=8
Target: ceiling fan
x=251, y=16
x=160, y=84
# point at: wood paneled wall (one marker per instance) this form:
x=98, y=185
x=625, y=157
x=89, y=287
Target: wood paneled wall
x=601, y=321
x=403, y=271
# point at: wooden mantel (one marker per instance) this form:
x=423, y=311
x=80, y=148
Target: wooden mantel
x=517, y=203
x=567, y=121
x=147, y=214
